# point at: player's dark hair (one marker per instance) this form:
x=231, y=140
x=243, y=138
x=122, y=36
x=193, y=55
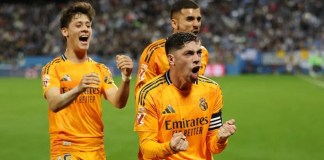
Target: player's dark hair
x=182, y=4
x=178, y=40
x=76, y=8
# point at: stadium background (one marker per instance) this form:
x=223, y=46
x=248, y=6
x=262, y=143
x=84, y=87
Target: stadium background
x=261, y=52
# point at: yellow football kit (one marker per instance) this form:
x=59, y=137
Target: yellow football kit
x=78, y=127
x=162, y=110
x=153, y=62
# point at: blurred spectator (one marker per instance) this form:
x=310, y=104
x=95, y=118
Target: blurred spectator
x=229, y=27
x=316, y=63
x=32, y=72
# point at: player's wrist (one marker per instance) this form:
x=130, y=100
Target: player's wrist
x=222, y=142
x=172, y=149
x=126, y=78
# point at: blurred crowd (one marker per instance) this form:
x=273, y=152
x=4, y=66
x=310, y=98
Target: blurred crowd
x=127, y=26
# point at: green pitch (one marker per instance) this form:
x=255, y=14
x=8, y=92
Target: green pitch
x=278, y=118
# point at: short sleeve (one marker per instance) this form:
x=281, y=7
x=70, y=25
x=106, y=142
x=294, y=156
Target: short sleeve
x=50, y=78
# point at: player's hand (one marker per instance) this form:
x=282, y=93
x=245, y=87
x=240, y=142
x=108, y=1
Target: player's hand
x=125, y=64
x=91, y=80
x=226, y=130
x=179, y=142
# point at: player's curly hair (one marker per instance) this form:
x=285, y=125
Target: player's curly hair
x=76, y=8
x=178, y=40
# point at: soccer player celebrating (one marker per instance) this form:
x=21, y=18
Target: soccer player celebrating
x=185, y=17
x=73, y=85
x=179, y=113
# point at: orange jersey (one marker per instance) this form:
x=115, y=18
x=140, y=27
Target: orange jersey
x=153, y=62
x=96, y=155
x=163, y=109
x=79, y=126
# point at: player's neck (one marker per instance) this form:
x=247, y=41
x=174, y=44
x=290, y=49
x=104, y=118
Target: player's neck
x=76, y=56
x=180, y=82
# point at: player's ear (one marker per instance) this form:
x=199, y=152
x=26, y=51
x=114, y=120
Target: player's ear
x=171, y=59
x=174, y=24
x=64, y=32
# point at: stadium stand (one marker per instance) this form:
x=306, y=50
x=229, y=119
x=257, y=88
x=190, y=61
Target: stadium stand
x=258, y=36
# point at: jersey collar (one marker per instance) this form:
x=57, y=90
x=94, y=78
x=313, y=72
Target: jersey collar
x=168, y=79
x=65, y=58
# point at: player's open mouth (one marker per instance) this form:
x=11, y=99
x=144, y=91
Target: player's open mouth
x=83, y=38
x=195, y=32
x=195, y=69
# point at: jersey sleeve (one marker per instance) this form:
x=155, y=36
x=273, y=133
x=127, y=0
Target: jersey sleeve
x=146, y=68
x=152, y=63
x=147, y=127
x=146, y=115
x=216, y=122
x=150, y=148
x=50, y=78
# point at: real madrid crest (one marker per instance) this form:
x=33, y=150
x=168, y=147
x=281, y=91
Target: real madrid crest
x=203, y=104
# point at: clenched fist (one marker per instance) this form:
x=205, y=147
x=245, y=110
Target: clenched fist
x=178, y=142
x=226, y=130
x=125, y=64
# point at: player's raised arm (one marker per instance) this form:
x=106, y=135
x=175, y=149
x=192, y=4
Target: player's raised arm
x=119, y=96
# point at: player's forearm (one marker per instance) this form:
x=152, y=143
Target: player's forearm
x=215, y=145
x=61, y=101
x=121, y=96
x=152, y=149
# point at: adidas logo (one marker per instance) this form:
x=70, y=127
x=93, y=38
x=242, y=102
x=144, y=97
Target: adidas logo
x=168, y=110
x=66, y=78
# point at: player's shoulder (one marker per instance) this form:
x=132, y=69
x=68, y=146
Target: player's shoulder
x=51, y=64
x=207, y=81
x=155, y=48
x=204, y=49
x=90, y=60
x=56, y=60
x=101, y=66
x=155, y=45
x=153, y=85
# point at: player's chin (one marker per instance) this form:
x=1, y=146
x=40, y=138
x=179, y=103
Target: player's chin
x=84, y=46
x=84, y=43
x=193, y=77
